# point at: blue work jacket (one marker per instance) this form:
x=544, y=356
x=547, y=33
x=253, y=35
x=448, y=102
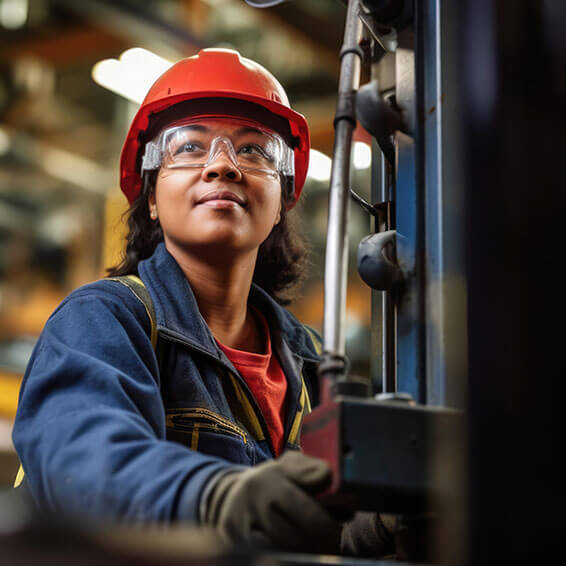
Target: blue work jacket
x=111, y=426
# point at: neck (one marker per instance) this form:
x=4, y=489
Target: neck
x=221, y=284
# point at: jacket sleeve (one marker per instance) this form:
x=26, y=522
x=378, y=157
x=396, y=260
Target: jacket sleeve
x=90, y=425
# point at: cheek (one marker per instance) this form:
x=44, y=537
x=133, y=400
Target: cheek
x=272, y=203
x=168, y=181
x=170, y=191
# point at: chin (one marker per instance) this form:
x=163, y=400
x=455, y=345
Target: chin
x=221, y=244
x=217, y=238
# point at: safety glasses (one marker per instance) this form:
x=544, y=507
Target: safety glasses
x=198, y=142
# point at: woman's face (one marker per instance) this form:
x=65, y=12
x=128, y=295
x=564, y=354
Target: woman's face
x=219, y=205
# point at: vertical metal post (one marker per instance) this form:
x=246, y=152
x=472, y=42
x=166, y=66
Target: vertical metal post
x=389, y=310
x=443, y=258
x=409, y=223
x=443, y=210
x=377, y=358
x=332, y=366
x=410, y=378
x=384, y=340
x=383, y=304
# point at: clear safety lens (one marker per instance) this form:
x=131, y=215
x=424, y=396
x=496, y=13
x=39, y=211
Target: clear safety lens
x=199, y=142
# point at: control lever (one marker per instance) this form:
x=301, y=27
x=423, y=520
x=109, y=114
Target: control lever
x=378, y=117
x=375, y=265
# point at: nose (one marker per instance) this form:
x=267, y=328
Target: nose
x=221, y=167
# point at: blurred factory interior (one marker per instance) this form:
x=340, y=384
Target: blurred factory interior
x=71, y=76
x=61, y=133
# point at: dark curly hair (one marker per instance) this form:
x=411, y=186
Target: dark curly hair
x=281, y=260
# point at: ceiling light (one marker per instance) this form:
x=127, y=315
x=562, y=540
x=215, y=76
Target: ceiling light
x=13, y=13
x=319, y=166
x=362, y=155
x=132, y=74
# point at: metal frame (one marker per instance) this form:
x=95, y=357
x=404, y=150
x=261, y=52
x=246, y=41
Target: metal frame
x=443, y=209
x=421, y=325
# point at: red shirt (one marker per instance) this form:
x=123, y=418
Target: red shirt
x=267, y=382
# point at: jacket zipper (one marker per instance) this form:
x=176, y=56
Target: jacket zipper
x=167, y=334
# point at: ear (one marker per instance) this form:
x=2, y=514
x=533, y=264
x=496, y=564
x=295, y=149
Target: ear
x=151, y=199
x=278, y=218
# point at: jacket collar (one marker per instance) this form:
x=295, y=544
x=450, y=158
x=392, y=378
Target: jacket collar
x=176, y=309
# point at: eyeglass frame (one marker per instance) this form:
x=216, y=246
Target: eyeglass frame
x=156, y=149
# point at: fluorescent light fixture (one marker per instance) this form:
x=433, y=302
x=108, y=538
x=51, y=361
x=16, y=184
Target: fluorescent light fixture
x=132, y=74
x=74, y=169
x=319, y=166
x=362, y=155
x=13, y=13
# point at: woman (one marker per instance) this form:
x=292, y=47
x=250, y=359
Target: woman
x=155, y=399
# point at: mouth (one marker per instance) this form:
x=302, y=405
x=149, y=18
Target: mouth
x=222, y=197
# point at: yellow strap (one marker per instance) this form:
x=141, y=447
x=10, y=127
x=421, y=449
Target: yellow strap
x=304, y=408
x=318, y=348
x=307, y=398
x=137, y=281
x=194, y=437
x=298, y=419
x=152, y=321
x=19, y=476
x=315, y=341
x=249, y=412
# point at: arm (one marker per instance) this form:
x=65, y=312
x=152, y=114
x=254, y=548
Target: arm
x=90, y=427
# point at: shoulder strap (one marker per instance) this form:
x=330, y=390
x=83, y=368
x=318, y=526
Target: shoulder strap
x=138, y=288
x=316, y=342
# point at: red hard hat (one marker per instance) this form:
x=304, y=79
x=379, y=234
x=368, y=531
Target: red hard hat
x=213, y=73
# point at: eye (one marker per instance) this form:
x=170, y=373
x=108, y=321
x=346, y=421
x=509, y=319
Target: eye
x=188, y=148
x=254, y=149
x=250, y=148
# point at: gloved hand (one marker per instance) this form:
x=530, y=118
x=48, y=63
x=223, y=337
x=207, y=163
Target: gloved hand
x=369, y=535
x=273, y=505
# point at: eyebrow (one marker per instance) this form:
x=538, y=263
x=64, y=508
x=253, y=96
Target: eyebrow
x=239, y=131
x=197, y=127
x=248, y=130
x=170, y=135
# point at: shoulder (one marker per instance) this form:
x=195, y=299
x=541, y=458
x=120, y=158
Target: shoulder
x=103, y=299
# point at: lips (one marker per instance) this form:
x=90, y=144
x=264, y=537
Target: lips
x=222, y=195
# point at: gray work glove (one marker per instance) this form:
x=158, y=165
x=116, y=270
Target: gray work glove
x=368, y=535
x=274, y=505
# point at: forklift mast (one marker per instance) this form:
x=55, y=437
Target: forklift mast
x=466, y=103
x=389, y=452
